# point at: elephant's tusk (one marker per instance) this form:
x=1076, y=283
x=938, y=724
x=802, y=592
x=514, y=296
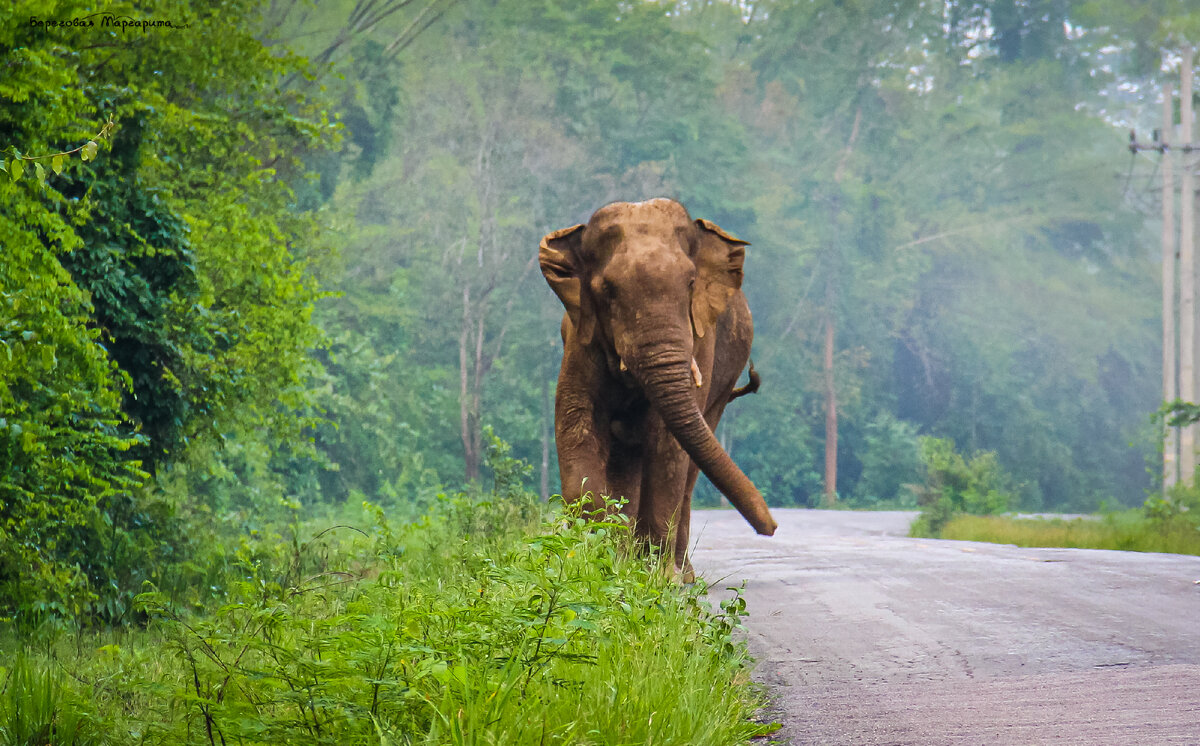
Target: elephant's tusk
x=623, y=366
x=699, y=379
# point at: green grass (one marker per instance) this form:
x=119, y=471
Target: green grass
x=479, y=624
x=1127, y=531
x=36, y=708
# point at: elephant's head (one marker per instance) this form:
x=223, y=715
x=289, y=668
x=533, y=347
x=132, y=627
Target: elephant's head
x=643, y=283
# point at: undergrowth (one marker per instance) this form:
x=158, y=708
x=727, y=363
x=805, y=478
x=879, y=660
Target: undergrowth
x=1129, y=530
x=481, y=623
x=1165, y=523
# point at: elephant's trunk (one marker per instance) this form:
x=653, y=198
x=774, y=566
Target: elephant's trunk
x=665, y=374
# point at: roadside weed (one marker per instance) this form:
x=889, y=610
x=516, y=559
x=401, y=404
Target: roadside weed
x=480, y=623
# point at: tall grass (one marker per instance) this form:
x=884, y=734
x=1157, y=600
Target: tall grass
x=1128, y=531
x=35, y=707
x=479, y=624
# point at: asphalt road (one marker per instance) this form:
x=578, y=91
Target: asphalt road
x=864, y=636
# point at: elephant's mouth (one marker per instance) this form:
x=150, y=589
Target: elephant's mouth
x=620, y=371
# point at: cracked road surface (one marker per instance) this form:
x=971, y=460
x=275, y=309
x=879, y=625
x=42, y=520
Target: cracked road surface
x=864, y=636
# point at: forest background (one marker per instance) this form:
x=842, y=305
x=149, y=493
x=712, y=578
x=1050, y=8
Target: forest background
x=298, y=267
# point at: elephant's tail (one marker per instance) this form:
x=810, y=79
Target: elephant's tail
x=751, y=386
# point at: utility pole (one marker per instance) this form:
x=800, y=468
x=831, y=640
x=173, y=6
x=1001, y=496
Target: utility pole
x=1169, y=371
x=1179, y=374
x=1187, y=273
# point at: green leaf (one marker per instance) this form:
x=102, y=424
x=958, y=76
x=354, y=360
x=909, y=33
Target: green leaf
x=16, y=168
x=56, y=163
x=40, y=171
x=582, y=624
x=89, y=151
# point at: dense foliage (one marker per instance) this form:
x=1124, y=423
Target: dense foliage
x=154, y=287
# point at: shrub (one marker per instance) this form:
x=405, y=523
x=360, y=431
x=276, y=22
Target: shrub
x=954, y=485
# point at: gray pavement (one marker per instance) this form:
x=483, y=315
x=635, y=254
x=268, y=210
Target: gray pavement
x=865, y=636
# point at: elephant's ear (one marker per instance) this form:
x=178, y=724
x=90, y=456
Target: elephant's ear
x=719, y=258
x=558, y=255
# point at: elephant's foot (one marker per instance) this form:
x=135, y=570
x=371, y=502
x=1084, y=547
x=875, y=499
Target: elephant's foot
x=686, y=574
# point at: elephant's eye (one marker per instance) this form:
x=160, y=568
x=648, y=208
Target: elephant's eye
x=607, y=289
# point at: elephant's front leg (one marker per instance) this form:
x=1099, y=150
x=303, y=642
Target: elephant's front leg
x=664, y=512
x=582, y=449
x=594, y=461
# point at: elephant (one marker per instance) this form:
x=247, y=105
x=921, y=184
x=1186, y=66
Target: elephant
x=656, y=332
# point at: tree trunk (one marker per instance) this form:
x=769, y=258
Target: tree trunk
x=466, y=418
x=831, y=419
x=547, y=423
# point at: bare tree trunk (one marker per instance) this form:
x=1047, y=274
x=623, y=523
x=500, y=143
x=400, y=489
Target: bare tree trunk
x=831, y=419
x=481, y=369
x=547, y=419
x=467, y=422
x=1170, y=392
x=482, y=280
x=831, y=414
x=725, y=431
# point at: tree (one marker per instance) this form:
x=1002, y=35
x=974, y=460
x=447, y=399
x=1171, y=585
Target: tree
x=173, y=259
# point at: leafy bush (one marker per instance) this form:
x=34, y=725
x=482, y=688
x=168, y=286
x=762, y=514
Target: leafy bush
x=954, y=485
x=63, y=439
x=1179, y=508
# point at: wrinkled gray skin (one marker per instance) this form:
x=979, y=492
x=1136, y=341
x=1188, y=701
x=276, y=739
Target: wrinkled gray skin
x=655, y=335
